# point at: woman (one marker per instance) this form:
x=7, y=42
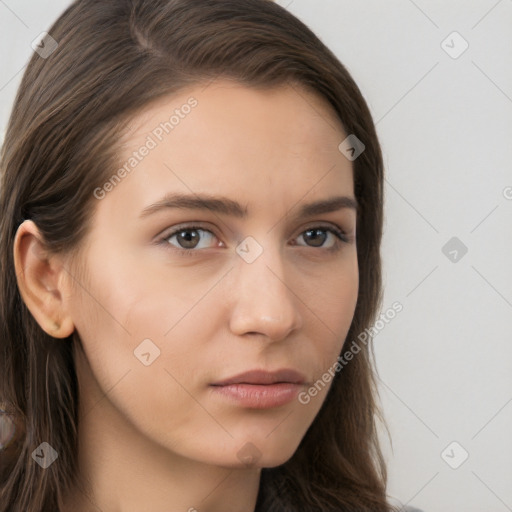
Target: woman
x=180, y=273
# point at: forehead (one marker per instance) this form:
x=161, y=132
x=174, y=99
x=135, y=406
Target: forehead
x=228, y=139
x=287, y=113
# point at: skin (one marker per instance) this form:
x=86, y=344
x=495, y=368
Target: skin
x=158, y=437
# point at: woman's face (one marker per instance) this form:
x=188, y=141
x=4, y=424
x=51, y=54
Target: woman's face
x=178, y=298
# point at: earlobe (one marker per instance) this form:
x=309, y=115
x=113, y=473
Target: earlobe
x=39, y=277
x=61, y=329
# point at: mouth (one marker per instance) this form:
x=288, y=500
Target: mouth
x=259, y=389
x=262, y=377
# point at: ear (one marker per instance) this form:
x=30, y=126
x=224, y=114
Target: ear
x=43, y=281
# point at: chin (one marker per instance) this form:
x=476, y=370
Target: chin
x=260, y=453
x=263, y=462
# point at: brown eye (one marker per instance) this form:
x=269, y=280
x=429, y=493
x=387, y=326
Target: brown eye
x=316, y=236
x=190, y=238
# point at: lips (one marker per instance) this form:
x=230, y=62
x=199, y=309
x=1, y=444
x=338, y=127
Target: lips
x=262, y=377
x=260, y=389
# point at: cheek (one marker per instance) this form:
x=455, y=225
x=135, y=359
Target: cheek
x=146, y=330
x=143, y=375
x=334, y=305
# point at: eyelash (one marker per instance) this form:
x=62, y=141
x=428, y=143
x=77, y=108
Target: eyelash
x=342, y=238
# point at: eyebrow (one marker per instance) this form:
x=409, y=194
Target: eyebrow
x=226, y=206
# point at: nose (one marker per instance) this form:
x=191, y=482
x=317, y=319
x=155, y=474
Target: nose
x=263, y=300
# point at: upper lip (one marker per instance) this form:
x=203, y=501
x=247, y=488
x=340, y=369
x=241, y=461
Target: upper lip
x=263, y=377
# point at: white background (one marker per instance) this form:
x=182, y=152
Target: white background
x=445, y=125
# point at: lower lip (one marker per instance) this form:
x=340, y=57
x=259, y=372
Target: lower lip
x=260, y=396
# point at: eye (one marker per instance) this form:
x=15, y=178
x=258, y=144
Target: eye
x=318, y=235
x=189, y=238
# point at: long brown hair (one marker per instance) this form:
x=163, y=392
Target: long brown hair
x=114, y=58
